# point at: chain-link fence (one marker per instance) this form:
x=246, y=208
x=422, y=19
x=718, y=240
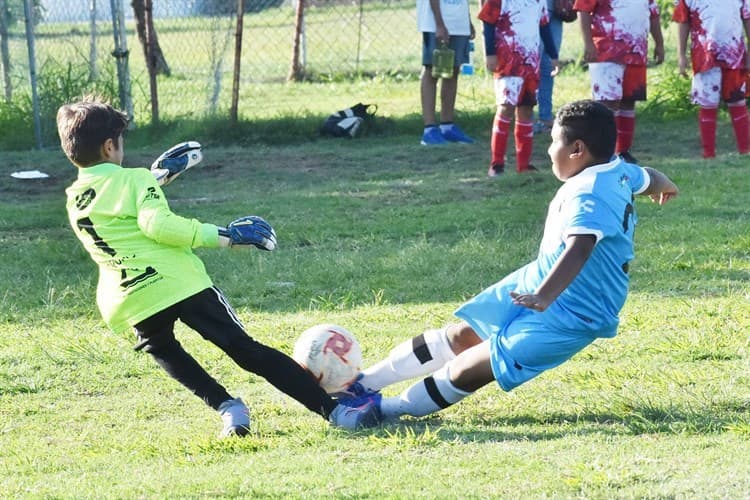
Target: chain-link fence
x=73, y=45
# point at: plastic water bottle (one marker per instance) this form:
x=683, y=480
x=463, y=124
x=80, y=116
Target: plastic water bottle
x=443, y=59
x=468, y=68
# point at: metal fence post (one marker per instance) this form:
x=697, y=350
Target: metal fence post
x=121, y=54
x=4, y=50
x=28, y=13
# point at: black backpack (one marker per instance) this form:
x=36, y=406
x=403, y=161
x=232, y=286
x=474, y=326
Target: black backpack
x=348, y=122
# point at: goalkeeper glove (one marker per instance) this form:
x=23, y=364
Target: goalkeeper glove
x=250, y=230
x=175, y=161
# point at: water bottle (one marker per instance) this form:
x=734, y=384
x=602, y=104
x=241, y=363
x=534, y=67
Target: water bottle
x=443, y=59
x=468, y=68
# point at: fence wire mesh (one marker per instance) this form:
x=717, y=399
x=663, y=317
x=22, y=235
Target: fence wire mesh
x=73, y=44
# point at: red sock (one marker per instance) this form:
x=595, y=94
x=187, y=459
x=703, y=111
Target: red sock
x=707, y=125
x=524, y=136
x=741, y=125
x=625, y=122
x=499, y=140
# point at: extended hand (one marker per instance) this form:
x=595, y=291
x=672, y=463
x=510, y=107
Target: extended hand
x=174, y=161
x=250, y=230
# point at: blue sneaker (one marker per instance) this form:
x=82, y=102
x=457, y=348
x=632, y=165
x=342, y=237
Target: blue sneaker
x=433, y=137
x=455, y=134
x=357, y=413
x=355, y=390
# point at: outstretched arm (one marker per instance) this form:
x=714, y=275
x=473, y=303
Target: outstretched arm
x=578, y=248
x=661, y=189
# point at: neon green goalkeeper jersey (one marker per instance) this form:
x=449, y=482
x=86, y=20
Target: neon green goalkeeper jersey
x=143, y=250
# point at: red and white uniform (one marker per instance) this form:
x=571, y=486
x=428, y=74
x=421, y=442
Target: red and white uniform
x=716, y=32
x=516, y=35
x=620, y=28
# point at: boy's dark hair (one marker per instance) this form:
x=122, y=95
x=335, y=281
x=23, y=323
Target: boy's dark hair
x=591, y=122
x=85, y=125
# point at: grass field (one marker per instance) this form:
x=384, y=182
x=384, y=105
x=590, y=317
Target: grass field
x=386, y=238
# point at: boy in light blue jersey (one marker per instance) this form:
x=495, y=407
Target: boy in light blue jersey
x=548, y=310
x=149, y=276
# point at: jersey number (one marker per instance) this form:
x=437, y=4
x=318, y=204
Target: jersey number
x=85, y=224
x=627, y=216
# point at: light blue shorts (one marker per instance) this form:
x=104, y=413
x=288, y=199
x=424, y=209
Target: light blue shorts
x=523, y=344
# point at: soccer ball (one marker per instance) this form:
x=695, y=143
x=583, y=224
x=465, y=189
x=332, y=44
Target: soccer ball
x=331, y=354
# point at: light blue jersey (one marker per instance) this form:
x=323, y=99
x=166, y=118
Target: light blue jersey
x=598, y=201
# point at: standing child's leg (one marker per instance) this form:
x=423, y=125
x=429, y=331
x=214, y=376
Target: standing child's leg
x=740, y=124
x=707, y=127
x=524, y=137
x=625, y=122
x=499, y=142
x=428, y=94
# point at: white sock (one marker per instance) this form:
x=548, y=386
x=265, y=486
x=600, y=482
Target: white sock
x=426, y=396
x=444, y=127
x=420, y=356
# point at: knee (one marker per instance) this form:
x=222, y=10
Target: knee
x=461, y=337
x=157, y=343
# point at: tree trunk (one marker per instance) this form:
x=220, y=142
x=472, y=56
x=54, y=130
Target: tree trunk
x=160, y=63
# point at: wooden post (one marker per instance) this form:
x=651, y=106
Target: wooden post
x=233, y=114
x=297, y=71
x=151, y=60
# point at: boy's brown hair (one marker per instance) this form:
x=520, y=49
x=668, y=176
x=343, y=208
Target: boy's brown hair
x=84, y=126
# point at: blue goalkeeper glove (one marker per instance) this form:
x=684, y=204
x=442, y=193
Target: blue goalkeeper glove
x=175, y=161
x=250, y=230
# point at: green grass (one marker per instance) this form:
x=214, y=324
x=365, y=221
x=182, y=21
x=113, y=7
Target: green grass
x=386, y=238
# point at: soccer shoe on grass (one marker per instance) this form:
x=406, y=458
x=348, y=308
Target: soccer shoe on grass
x=495, y=170
x=433, y=137
x=357, y=413
x=236, y=418
x=455, y=134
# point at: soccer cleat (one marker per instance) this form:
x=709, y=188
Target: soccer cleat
x=236, y=418
x=627, y=157
x=495, y=170
x=433, y=137
x=355, y=389
x=528, y=169
x=455, y=134
x=357, y=413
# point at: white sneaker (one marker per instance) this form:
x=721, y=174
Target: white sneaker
x=357, y=414
x=236, y=418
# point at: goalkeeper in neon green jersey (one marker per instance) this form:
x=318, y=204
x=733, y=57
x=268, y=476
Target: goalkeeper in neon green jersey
x=149, y=276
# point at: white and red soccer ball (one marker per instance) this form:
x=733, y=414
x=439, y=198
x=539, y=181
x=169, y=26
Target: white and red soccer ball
x=331, y=354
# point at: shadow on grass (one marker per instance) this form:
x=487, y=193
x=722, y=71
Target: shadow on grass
x=636, y=421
